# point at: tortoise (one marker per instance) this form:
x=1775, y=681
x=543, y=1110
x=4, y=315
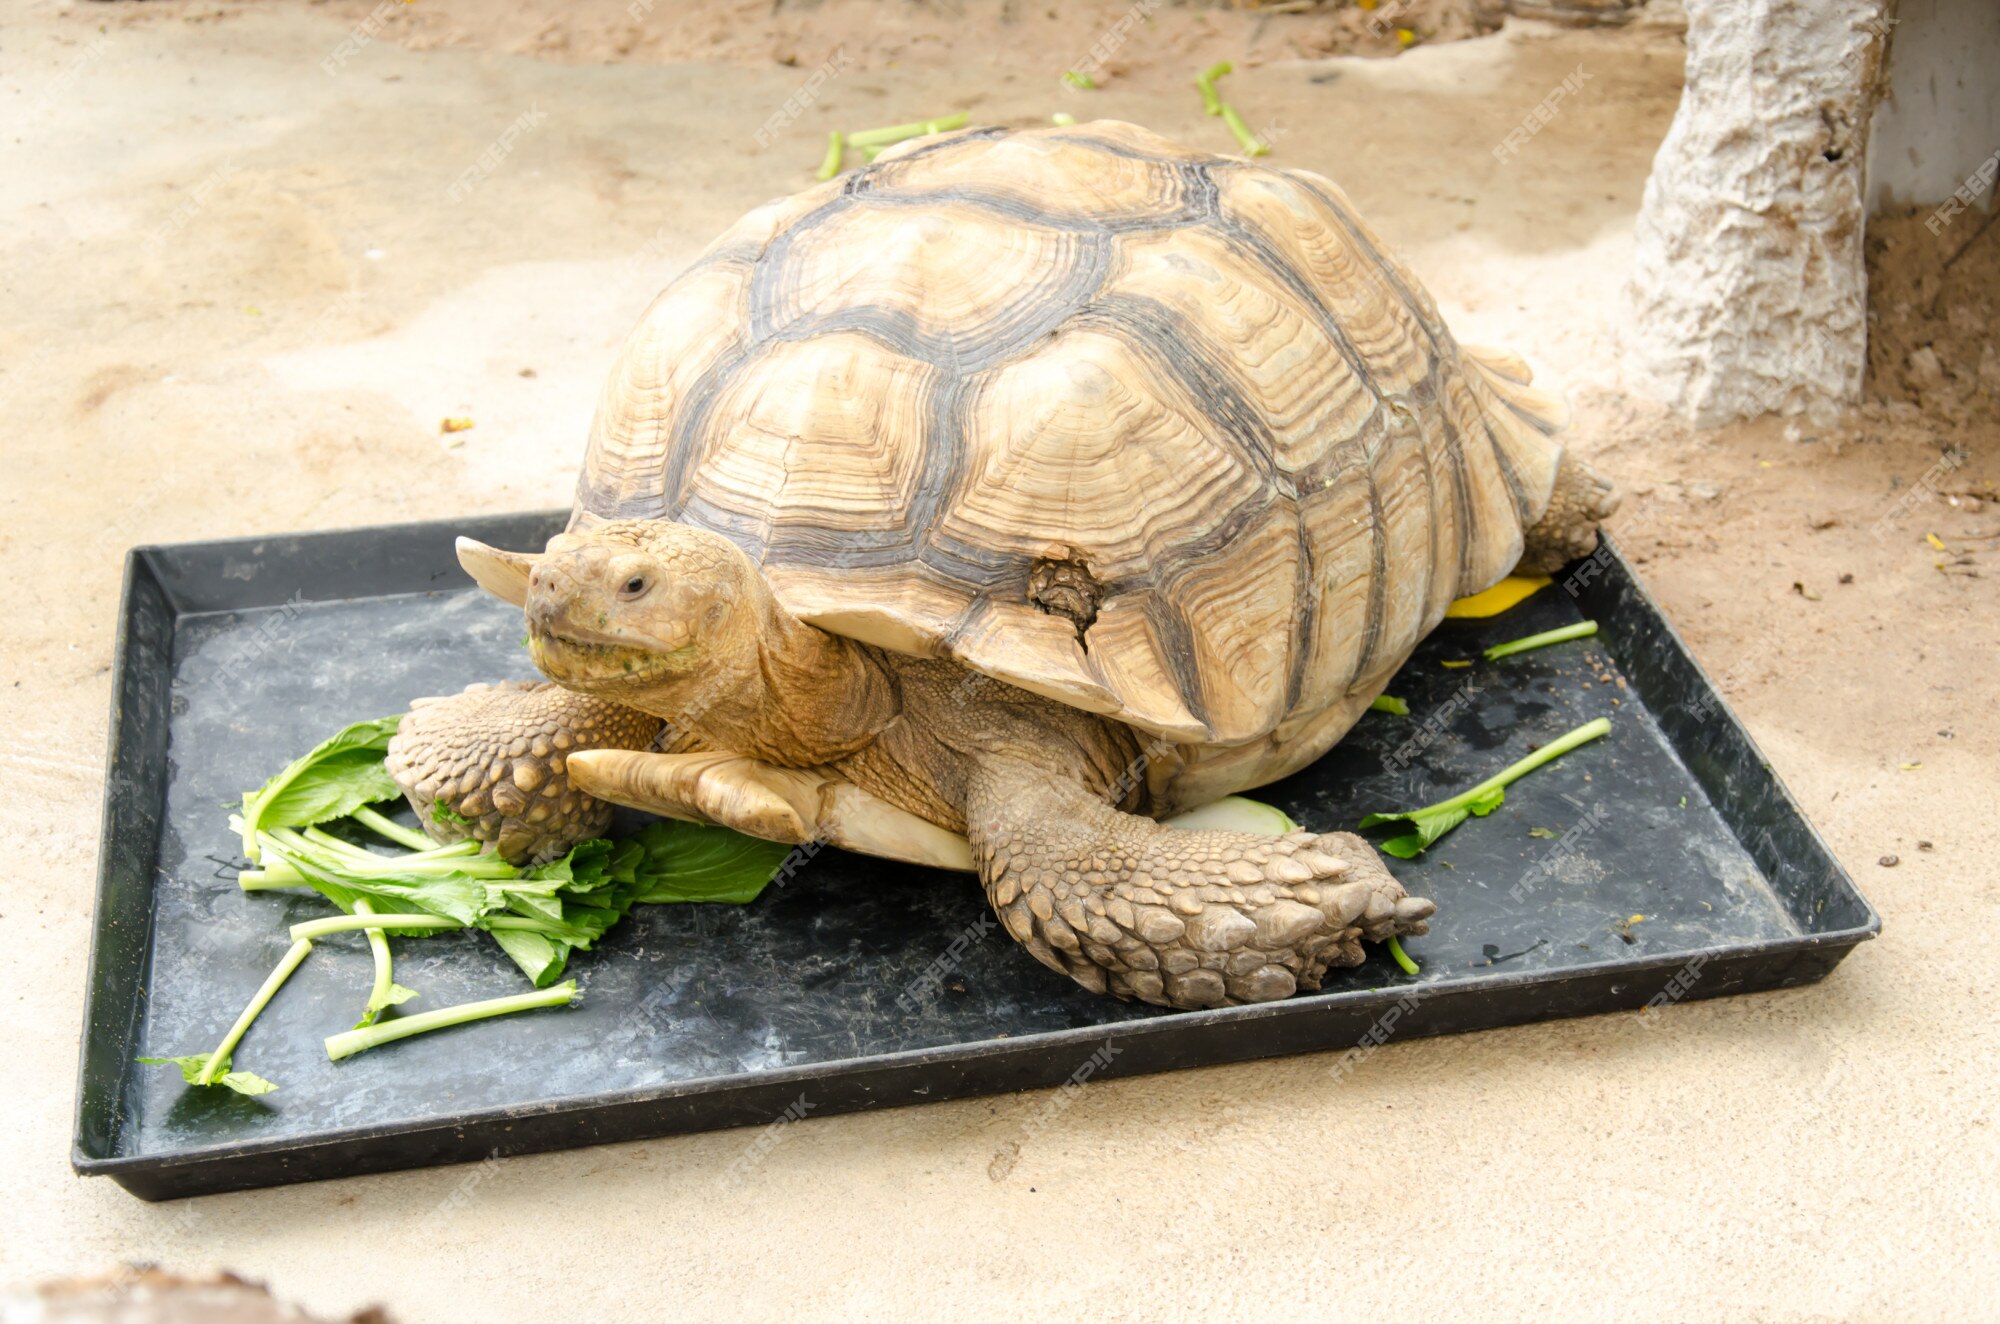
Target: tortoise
x=984, y=507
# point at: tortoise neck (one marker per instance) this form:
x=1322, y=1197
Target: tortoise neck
x=796, y=695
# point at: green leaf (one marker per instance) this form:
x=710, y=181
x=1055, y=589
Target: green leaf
x=454, y=896
x=1389, y=703
x=586, y=867
x=243, y=1082
x=339, y=775
x=690, y=862
x=540, y=957
x=1433, y=822
x=1546, y=834
x=444, y=813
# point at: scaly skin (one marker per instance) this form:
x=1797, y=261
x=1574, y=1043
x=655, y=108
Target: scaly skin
x=675, y=622
x=494, y=755
x=1567, y=530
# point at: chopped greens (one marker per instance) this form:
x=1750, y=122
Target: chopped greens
x=1211, y=100
x=536, y=915
x=194, y=1068
x=349, y=1042
x=1433, y=821
x=1395, y=946
x=385, y=992
x=340, y=775
x=1252, y=145
x=836, y=148
x=1581, y=630
x=1081, y=81
x=1388, y=703
x=213, y=1068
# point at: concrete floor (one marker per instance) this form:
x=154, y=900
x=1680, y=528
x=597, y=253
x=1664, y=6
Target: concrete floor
x=238, y=299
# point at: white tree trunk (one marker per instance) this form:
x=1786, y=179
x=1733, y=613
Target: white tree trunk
x=1748, y=287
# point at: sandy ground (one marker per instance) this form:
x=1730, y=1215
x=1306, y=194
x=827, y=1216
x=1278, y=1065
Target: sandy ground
x=238, y=298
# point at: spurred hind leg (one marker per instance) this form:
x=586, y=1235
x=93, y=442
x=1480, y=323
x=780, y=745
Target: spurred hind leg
x=1185, y=919
x=495, y=757
x=1568, y=528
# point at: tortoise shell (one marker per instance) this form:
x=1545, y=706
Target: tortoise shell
x=1163, y=435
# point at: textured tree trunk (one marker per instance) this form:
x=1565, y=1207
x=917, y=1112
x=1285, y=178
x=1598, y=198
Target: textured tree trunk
x=1749, y=291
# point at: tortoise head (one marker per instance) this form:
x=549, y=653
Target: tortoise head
x=643, y=612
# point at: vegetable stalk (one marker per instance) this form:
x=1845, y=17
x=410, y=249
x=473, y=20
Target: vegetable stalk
x=219, y=1059
x=349, y=1042
x=1581, y=630
x=320, y=928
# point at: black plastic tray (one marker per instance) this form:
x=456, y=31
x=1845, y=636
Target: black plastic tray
x=825, y=995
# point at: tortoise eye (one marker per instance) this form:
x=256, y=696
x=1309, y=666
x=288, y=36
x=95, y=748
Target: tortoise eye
x=632, y=588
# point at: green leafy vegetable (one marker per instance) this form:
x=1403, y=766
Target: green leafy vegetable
x=194, y=1070
x=395, y=832
x=1079, y=80
x=1386, y=703
x=1433, y=821
x=896, y=133
x=1581, y=630
x=444, y=813
x=350, y=1042
x=213, y=1068
x=676, y=861
x=1062, y=117
x=340, y=775
x=385, y=992
x=1395, y=946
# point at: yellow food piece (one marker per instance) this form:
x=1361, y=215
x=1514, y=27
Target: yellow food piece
x=1509, y=591
x=455, y=425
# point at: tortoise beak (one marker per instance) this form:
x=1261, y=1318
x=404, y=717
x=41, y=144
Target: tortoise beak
x=503, y=574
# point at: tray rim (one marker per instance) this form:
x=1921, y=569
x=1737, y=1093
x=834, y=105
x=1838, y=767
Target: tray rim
x=143, y=1173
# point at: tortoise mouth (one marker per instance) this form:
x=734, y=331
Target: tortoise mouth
x=563, y=657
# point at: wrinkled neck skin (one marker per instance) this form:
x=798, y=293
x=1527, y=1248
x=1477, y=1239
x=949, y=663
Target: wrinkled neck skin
x=785, y=692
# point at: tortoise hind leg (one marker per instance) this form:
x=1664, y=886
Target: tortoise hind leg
x=495, y=758
x=1180, y=918
x=1567, y=530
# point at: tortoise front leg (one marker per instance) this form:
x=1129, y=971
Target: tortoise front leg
x=1180, y=918
x=496, y=756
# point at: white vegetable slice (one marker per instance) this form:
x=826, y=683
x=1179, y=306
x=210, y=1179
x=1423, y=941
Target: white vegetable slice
x=1235, y=813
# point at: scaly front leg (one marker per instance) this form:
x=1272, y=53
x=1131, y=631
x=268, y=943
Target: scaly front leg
x=495, y=756
x=1184, y=919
